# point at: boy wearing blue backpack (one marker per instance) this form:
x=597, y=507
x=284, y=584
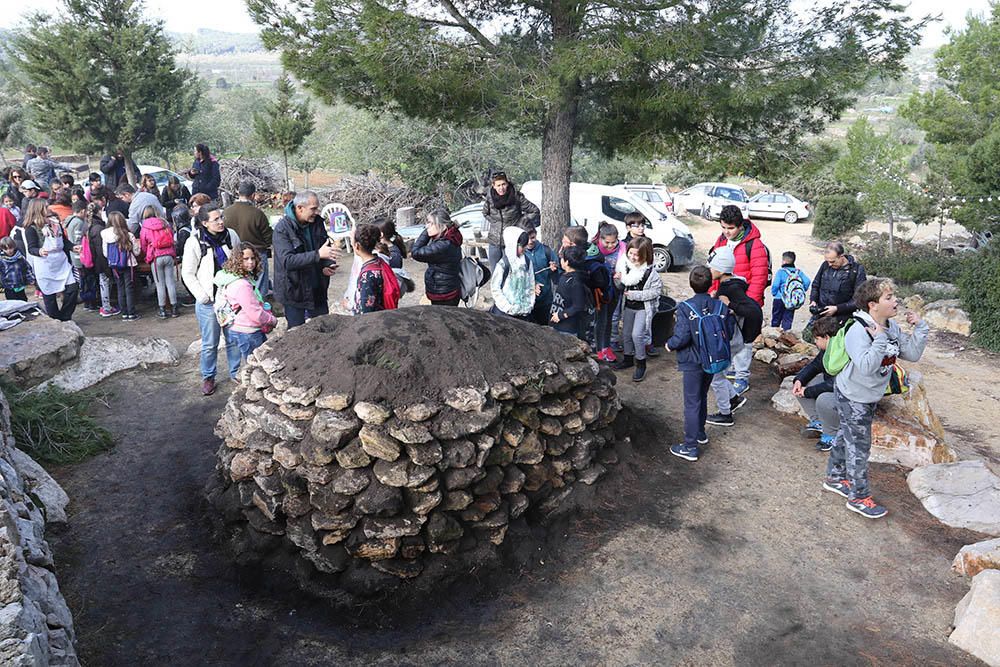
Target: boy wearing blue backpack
x=790, y=291
x=702, y=342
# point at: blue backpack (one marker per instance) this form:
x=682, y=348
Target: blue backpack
x=712, y=339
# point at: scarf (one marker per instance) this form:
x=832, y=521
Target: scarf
x=633, y=274
x=506, y=200
x=218, y=243
x=739, y=237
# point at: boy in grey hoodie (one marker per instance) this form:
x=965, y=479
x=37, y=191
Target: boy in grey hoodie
x=873, y=344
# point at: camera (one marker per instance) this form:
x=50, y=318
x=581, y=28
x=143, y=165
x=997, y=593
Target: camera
x=816, y=309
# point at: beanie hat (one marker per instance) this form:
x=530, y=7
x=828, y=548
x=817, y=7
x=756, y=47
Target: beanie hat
x=722, y=260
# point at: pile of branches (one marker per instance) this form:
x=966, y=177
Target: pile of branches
x=262, y=172
x=370, y=197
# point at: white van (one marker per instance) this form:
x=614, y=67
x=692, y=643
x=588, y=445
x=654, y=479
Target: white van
x=592, y=205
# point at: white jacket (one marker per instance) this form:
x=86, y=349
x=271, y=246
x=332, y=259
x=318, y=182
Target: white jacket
x=108, y=236
x=198, y=268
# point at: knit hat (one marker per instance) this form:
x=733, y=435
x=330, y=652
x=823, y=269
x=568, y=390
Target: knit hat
x=722, y=260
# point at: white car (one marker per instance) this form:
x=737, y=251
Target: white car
x=779, y=206
x=160, y=174
x=656, y=195
x=707, y=199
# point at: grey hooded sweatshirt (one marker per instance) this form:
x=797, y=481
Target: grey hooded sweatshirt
x=866, y=375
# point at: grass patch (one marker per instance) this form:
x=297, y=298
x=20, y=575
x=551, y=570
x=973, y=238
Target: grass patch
x=54, y=427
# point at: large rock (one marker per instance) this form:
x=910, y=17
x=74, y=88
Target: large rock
x=784, y=401
x=102, y=357
x=52, y=497
x=974, y=558
x=792, y=363
x=948, y=315
x=964, y=494
x=38, y=349
x=907, y=432
x=977, y=619
x=936, y=288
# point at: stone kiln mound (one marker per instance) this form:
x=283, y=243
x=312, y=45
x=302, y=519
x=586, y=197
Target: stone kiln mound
x=371, y=453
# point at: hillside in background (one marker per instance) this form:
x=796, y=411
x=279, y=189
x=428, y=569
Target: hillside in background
x=216, y=42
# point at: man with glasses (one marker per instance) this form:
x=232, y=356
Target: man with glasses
x=304, y=260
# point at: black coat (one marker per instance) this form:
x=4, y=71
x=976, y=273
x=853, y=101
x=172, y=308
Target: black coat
x=169, y=200
x=111, y=166
x=498, y=219
x=812, y=369
x=443, y=256
x=208, y=179
x=298, y=271
x=746, y=310
x=835, y=287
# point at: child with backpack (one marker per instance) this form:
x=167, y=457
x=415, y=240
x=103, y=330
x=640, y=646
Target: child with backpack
x=606, y=248
x=872, y=342
x=732, y=291
x=239, y=307
x=75, y=225
x=790, y=291
x=377, y=288
x=814, y=388
x=15, y=272
x=701, y=340
x=572, y=301
x=641, y=288
x=121, y=248
x=513, y=282
x=156, y=241
x=545, y=265
x=92, y=257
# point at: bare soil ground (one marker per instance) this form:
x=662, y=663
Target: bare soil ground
x=738, y=559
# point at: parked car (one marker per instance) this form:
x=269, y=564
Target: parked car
x=592, y=205
x=656, y=195
x=779, y=206
x=707, y=199
x=161, y=175
x=469, y=219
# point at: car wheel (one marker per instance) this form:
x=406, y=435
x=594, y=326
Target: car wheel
x=705, y=212
x=662, y=261
x=791, y=217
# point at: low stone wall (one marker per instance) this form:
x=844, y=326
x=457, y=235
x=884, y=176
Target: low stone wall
x=34, y=351
x=358, y=495
x=36, y=627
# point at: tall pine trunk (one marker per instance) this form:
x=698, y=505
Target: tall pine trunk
x=557, y=165
x=284, y=155
x=131, y=174
x=892, y=234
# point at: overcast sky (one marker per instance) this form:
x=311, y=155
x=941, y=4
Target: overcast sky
x=231, y=15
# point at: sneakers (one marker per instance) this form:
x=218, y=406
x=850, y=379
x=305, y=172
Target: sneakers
x=740, y=387
x=814, y=426
x=174, y=312
x=737, y=403
x=640, y=370
x=652, y=351
x=685, y=452
x=600, y=356
x=131, y=317
x=841, y=487
x=109, y=312
x=719, y=419
x=730, y=374
x=162, y=314
x=627, y=361
x=609, y=355
x=825, y=443
x=703, y=438
x=208, y=386
x=867, y=507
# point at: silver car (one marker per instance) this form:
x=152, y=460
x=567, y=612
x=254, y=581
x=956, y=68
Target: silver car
x=778, y=206
x=707, y=199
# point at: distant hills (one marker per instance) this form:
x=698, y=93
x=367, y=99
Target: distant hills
x=216, y=42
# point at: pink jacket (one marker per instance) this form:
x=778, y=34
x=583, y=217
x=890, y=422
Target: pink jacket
x=156, y=239
x=251, y=315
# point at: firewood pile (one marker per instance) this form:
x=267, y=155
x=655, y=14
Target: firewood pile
x=370, y=197
x=262, y=172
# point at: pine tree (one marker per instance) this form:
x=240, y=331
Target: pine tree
x=284, y=124
x=731, y=79
x=102, y=77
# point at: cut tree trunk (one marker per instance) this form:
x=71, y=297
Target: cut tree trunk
x=557, y=164
x=131, y=174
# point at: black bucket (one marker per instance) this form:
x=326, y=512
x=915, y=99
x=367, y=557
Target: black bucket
x=663, y=321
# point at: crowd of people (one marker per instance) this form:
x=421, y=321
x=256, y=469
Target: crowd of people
x=84, y=243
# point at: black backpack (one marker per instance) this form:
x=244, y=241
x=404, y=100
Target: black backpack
x=770, y=271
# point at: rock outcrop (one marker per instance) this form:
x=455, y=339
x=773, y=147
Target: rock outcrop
x=415, y=453
x=974, y=558
x=35, y=350
x=964, y=494
x=977, y=619
x=947, y=315
x=907, y=432
x=36, y=627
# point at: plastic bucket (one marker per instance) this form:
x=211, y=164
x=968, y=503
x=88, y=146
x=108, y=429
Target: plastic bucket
x=663, y=321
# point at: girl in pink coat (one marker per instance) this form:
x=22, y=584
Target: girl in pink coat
x=238, y=302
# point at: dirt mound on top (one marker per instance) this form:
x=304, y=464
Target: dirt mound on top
x=412, y=354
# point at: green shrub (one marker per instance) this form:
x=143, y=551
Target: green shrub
x=53, y=426
x=838, y=216
x=911, y=263
x=979, y=288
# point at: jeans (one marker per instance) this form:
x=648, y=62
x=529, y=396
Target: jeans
x=211, y=332
x=695, y=405
x=742, y=356
x=264, y=281
x=248, y=342
x=852, y=445
x=64, y=313
x=823, y=408
x=494, y=254
x=602, y=327
x=781, y=316
x=634, y=332
x=297, y=316
x=165, y=277
x=126, y=289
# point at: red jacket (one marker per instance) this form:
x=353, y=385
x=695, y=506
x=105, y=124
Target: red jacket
x=753, y=269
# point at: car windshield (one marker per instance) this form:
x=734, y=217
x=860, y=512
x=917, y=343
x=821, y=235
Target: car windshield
x=160, y=177
x=732, y=194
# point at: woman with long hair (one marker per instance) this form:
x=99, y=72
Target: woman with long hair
x=121, y=249
x=50, y=247
x=148, y=184
x=174, y=192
